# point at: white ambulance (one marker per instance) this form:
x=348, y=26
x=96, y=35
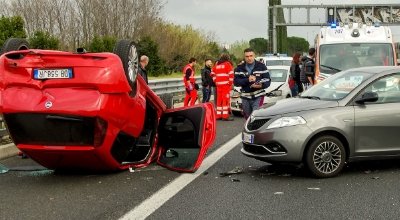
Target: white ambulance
x=345, y=46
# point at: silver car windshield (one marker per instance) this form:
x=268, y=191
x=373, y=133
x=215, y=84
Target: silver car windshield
x=336, y=87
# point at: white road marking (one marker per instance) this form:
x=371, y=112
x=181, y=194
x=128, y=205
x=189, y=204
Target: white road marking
x=151, y=204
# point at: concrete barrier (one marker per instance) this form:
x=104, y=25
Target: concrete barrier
x=8, y=150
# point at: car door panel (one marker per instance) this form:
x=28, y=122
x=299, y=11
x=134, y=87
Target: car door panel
x=185, y=134
x=377, y=128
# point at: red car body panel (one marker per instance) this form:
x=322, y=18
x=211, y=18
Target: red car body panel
x=96, y=98
x=207, y=137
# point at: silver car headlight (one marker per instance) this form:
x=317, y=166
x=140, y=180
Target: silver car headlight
x=287, y=121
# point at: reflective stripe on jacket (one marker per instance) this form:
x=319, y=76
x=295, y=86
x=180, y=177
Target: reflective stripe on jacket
x=222, y=73
x=241, y=79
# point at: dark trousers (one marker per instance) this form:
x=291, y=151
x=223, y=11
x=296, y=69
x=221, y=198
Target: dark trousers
x=299, y=86
x=206, y=93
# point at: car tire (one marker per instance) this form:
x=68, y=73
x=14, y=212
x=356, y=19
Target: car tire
x=237, y=113
x=325, y=157
x=127, y=52
x=167, y=99
x=12, y=44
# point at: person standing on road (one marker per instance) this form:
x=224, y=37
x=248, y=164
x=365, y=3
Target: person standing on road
x=190, y=83
x=295, y=75
x=144, y=61
x=253, y=77
x=222, y=74
x=308, y=69
x=207, y=81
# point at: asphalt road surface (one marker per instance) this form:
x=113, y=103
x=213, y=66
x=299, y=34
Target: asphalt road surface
x=255, y=190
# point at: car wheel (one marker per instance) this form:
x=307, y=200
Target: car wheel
x=326, y=157
x=168, y=100
x=127, y=52
x=237, y=113
x=12, y=44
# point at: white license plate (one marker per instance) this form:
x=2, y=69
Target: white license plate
x=52, y=73
x=248, y=138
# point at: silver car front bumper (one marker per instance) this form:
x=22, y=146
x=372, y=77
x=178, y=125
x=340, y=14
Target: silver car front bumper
x=284, y=144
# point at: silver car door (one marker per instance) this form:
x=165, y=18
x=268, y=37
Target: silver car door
x=377, y=124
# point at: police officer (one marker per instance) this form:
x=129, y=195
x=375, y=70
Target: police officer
x=253, y=78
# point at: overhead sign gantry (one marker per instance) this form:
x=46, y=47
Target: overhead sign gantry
x=388, y=14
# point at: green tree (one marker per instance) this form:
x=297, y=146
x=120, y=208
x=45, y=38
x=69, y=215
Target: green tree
x=297, y=44
x=102, y=44
x=43, y=40
x=236, y=50
x=213, y=50
x=259, y=45
x=177, y=44
x=11, y=27
x=148, y=47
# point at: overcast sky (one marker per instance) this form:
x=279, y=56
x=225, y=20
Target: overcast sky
x=233, y=20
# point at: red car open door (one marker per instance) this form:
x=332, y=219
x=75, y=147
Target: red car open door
x=185, y=136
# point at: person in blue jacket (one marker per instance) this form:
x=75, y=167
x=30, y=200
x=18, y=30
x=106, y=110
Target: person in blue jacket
x=253, y=78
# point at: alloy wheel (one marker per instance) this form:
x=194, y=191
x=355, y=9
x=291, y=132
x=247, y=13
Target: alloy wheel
x=327, y=157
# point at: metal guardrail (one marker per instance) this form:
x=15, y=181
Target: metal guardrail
x=163, y=86
x=172, y=86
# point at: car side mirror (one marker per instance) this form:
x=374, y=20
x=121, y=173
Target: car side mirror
x=367, y=97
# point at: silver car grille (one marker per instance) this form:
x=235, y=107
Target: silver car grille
x=256, y=124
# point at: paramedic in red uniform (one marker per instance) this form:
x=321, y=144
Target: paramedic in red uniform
x=222, y=74
x=190, y=83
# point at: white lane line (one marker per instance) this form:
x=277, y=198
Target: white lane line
x=151, y=204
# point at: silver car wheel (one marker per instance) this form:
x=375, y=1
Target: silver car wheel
x=327, y=157
x=127, y=52
x=133, y=64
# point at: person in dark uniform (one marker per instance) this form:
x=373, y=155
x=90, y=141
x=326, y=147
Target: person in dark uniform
x=144, y=61
x=206, y=80
x=253, y=78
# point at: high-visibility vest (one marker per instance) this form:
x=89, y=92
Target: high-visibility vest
x=222, y=73
x=191, y=77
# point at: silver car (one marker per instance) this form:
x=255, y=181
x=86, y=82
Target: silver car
x=352, y=115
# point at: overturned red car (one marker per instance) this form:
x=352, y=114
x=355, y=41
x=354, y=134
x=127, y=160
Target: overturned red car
x=92, y=111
